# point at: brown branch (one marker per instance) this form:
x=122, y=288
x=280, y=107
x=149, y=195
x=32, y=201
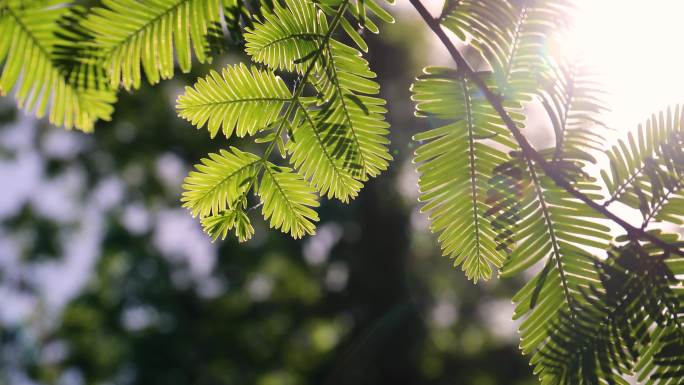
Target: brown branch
x=527, y=149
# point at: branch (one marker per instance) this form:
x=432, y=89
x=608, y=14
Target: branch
x=527, y=149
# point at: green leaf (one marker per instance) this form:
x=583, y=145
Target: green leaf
x=554, y=230
x=219, y=225
x=31, y=66
x=287, y=201
x=628, y=322
x=513, y=36
x=220, y=182
x=239, y=99
x=344, y=131
x=349, y=107
x=647, y=172
x=359, y=15
x=455, y=162
x=335, y=139
x=288, y=37
x=315, y=152
x=131, y=33
x=574, y=103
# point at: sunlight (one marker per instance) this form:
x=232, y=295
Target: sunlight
x=637, y=50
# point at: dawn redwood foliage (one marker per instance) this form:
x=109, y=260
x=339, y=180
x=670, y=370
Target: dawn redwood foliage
x=604, y=301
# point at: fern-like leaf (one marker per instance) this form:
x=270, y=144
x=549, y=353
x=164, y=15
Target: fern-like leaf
x=667, y=182
x=219, y=225
x=131, y=33
x=346, y=90
x=346, y=125
x=287, y=201
x=360, y=14
x=287, y=36
x=512, y=36
x=220, y=182
x=318, y=154
x=625, y=324
x=647, y=169
x=31, y=66
x=456, y=161
x=238, y=99
x=335, y=138
x=602, y=339
x=662, y=362
x=557, y=231
x=574, y=103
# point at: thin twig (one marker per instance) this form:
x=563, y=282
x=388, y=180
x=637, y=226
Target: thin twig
x=527, y=149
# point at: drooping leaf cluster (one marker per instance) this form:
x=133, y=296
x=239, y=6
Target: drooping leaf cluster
x=627, y=324
x=330, y=127
x=600, y=306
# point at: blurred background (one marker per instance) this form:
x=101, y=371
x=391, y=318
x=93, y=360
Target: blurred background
x=105, y=279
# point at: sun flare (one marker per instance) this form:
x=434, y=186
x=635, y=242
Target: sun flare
x=636, y=48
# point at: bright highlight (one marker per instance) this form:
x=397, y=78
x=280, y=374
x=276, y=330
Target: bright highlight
x=637, y=48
